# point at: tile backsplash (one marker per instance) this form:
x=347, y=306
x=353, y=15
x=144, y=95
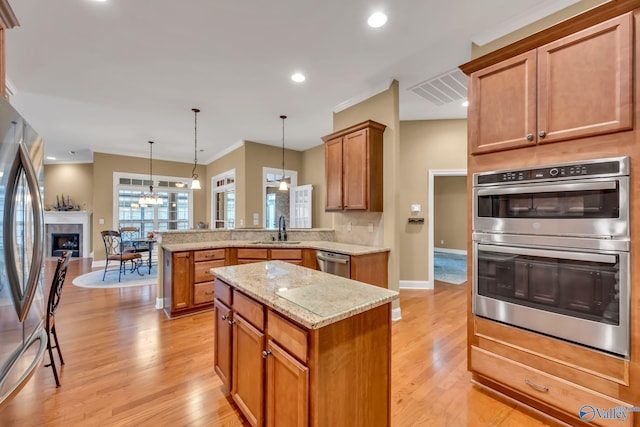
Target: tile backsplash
x=359, y=228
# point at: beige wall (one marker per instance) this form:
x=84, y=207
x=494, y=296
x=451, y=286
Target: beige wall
x=233, y=160
x=566, y=13
x=425, y=145
x=312, y=172
x=73, y=180
x=450, y=212
x=382, y=108
x=104, y=165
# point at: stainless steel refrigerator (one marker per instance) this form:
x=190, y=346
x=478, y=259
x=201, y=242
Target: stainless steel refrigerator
x=23, y=339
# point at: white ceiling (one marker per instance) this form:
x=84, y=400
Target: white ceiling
x=109, y=76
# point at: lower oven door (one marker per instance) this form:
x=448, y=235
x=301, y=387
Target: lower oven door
x=575, y=295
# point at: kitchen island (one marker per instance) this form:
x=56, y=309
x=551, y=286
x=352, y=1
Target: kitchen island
x=295, y=346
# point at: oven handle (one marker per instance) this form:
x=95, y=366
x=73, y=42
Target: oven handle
x=550, y=188
x=546, y=253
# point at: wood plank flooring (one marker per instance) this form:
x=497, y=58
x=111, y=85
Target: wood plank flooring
x=127, y=365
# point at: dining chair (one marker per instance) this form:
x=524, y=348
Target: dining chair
x=132, y=241
x=115, y=251
x=52, y=307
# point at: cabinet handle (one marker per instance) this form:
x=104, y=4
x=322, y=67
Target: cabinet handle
x=530, y=137
x=266, y=353
x=232, y=322
x=542, y=134
x=208, y=292
x=224, y=317
x=536, y=386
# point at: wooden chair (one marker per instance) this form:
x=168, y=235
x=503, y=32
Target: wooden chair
x=52, y=306
x=114, y=251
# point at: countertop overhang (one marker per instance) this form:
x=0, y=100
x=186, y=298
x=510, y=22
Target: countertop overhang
x=312, y=298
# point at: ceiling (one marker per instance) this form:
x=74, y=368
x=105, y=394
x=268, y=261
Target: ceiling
x=109, y=76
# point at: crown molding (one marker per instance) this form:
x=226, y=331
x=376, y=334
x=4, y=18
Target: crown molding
x=372, y=91
x=7, y=17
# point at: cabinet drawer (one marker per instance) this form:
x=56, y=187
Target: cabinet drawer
x=222, y=291
x=286, y=254
x=208, y=254
x=201, y=270
x=203, y=293
x=553, y=391
x=253, y=253
x=249, y=309
x=291, y=337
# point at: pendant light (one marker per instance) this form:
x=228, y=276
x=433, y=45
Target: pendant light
x=283, y=183
x=195, y=183
x=150, y=198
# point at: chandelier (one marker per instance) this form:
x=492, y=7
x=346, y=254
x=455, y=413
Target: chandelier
x=150, y=198
x=195, y=183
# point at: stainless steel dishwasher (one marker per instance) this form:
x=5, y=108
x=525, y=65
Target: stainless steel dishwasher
x=334, y=263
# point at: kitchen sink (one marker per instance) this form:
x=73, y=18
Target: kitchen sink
x=275, y=242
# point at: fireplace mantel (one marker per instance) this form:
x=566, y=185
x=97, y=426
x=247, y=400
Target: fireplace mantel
x=82, y=218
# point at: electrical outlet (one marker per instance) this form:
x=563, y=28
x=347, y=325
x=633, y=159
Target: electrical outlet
x=101, y=221
x=349, y=226
x=442, y=242
x=370, y=228
x=241, y=222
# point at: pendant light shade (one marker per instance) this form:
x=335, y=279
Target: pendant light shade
x=195, y=182
x=283, y=183
x=150, y=198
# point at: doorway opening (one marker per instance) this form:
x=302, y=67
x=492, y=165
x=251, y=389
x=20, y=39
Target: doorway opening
x=447, y=246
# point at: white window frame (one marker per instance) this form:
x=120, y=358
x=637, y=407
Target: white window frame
x=294, y=183
x=117, y=187
x=223, y=188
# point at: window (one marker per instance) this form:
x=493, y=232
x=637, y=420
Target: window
x=223, y=200
x=277, y=203
x=175, y=213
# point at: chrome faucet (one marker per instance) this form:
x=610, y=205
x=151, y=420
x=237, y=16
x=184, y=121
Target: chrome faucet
x=282, y=229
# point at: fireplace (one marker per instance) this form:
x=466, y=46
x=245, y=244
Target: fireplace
x=61, y=242
x=65, y=223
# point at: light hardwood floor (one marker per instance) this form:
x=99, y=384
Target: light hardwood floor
x=127, y=365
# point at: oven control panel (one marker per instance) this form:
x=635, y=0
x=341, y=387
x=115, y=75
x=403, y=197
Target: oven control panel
x=593, y=168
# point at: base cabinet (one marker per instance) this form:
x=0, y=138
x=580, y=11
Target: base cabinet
x=283, y=374
x=222, y=342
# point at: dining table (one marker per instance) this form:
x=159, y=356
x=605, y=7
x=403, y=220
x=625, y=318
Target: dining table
x=140, y=245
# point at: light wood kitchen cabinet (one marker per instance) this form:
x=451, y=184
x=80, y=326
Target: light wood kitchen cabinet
x=249, y=255
x=177, y=281
x=354, y=168
x=371, y=268
x=222, y=342
x=286, y=375
x=188, y=284
x=578, y=86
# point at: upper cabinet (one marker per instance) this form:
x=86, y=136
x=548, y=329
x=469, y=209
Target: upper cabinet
x=353, y=168
x=578, y=86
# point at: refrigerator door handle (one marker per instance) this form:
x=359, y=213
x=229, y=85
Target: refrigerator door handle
x=39, y=334
x=22, y=166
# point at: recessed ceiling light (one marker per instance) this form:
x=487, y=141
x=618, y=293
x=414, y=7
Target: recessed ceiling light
x=377, y=20
x=298, y=77
x=465, y=104
x=50, y=158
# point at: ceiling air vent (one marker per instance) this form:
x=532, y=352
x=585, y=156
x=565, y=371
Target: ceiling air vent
x=443, y=89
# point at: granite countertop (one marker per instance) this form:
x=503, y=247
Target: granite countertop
x=344, y=248
x=312, y=298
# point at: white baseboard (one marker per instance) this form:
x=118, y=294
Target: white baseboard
x=451, y=251
x=159, y=303
x=396, y=314
x=416, y=284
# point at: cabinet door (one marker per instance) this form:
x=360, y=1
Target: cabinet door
x=502, y=105
x=247, y=379
x=222, y=343
x=333, y=174
x=287, y=389
x=585, y=82
x=180, y=281
x=355, y=184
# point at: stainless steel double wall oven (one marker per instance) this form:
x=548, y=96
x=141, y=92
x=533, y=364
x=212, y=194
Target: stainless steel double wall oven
x=551, y=251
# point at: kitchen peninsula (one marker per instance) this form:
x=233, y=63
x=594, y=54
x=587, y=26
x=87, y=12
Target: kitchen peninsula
x=303, y=346
x=186, y=285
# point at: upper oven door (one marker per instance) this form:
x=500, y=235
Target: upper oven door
x=583, y=207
